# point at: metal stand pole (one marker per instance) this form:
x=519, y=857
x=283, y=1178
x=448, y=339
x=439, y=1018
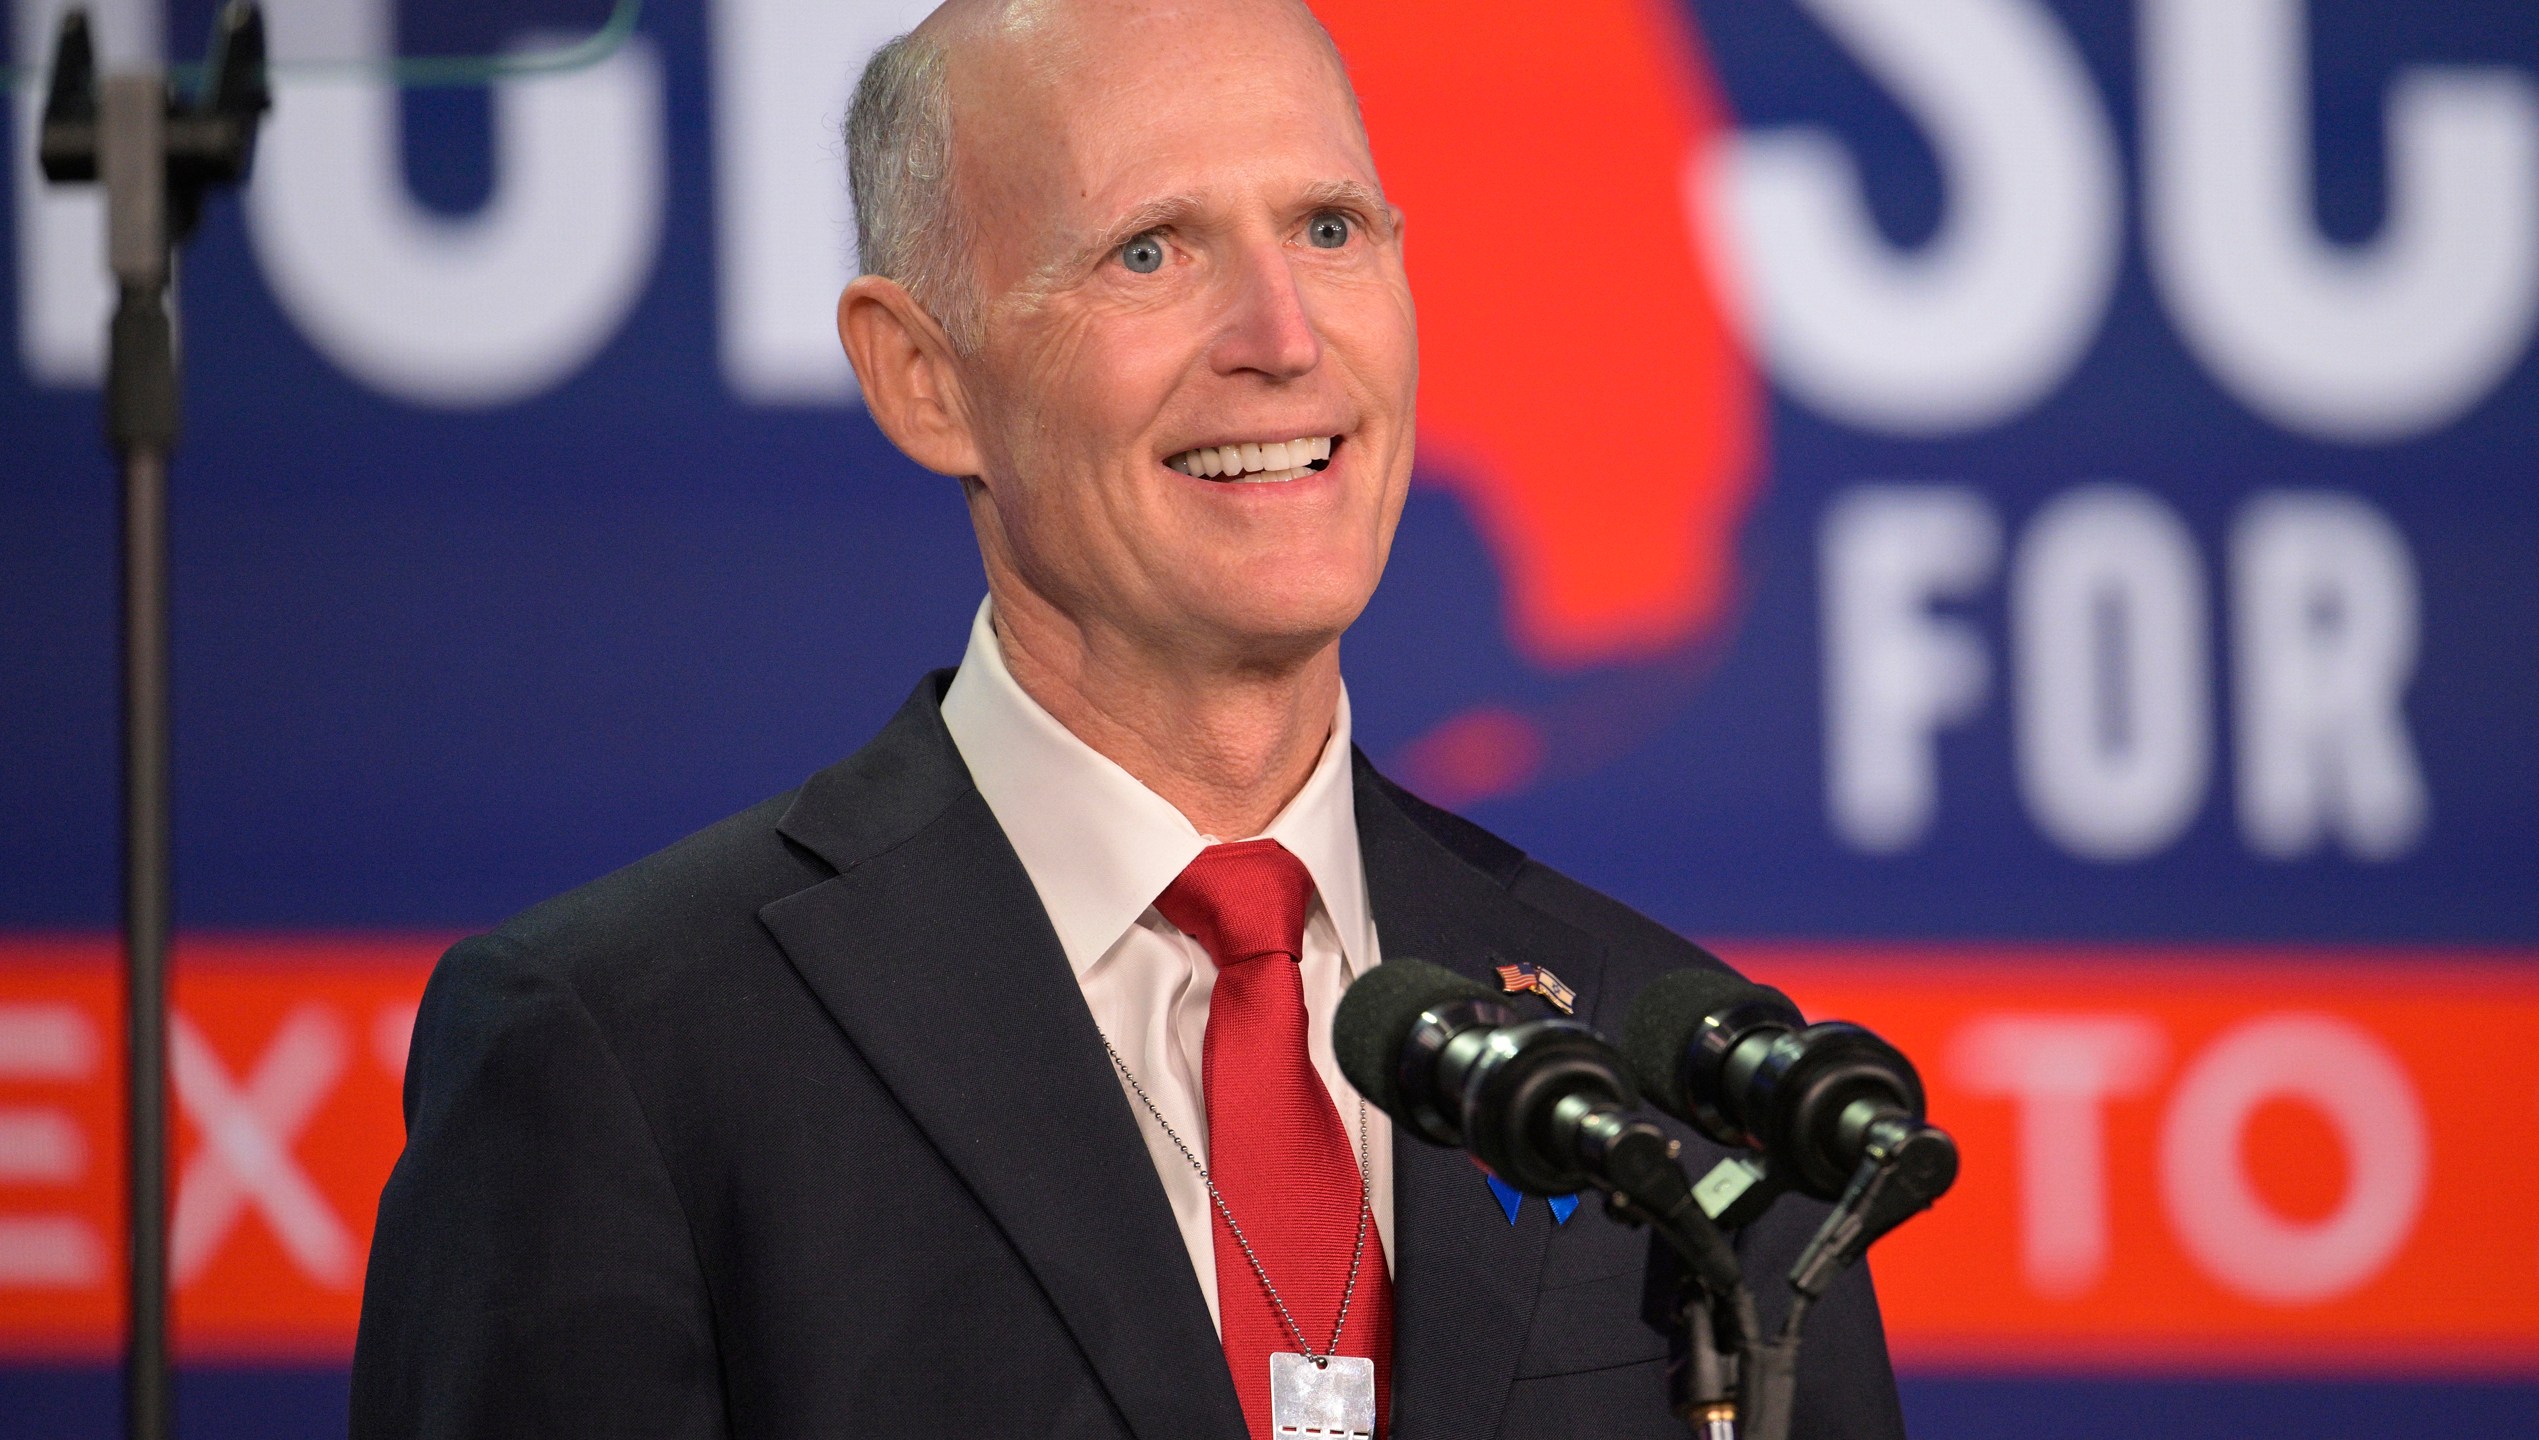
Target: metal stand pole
x=156, y=159
x=146, y=910
x=141, y=426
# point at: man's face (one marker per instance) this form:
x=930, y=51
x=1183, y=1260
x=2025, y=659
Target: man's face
x=1182, y=247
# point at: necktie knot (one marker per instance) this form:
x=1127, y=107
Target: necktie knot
x=1241, y=901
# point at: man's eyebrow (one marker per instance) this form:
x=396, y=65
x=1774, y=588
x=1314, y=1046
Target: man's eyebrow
x=1086, y=247
x=1331, y=194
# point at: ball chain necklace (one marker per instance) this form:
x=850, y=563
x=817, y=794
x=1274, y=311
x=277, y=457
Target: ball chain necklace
x=1327, y=1394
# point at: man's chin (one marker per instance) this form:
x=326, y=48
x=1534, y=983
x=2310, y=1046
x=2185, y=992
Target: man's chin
x=1281, y=631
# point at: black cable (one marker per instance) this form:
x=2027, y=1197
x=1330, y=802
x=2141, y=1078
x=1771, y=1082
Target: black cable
x=1790, y=1323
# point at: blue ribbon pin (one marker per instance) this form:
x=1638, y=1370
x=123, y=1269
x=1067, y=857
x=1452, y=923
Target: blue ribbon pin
x=1512, y=1199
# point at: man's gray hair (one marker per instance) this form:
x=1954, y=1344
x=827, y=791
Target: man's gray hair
x=908, y=224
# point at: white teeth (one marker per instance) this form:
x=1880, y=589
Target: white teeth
x=1255, y=462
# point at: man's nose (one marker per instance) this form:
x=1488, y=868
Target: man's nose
x=1269, y=330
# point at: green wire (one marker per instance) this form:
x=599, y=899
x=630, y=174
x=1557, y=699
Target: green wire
x=419, y=71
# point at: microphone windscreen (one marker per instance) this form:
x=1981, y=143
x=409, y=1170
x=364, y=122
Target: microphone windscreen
x=1376, y=1017
x=1667, y=1017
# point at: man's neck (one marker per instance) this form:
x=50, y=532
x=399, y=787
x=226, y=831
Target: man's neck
x=1227, y=747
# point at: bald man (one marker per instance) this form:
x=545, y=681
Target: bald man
x=983, y=1085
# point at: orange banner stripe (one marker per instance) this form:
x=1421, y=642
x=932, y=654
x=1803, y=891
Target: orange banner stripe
x=2176, y=1159
x=287, y=1054
x=2225, y=1159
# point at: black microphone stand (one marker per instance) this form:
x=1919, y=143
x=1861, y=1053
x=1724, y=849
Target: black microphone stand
x=1905, y=1165
x=157, y=157
x=1712, y=1330
x=1706, y=1307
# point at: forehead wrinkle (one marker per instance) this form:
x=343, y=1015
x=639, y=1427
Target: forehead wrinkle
x=1008, y=58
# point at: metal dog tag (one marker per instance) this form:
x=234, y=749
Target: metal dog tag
x=1331, y=1401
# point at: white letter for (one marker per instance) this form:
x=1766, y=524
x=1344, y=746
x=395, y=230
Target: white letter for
x=1894, y=672
x=2060, y=1071
x=64, y=294
x=480, y=311
x=2114, y=707
x=2323, y=632
x=2371, y=343
x=1995, y=310
x=784, y=71
x=2361, y=1090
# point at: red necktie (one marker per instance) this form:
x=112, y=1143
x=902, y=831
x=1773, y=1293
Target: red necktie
x=1277, y=1151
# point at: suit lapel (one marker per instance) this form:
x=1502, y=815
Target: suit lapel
x=933, y=954
x=1464, y=1279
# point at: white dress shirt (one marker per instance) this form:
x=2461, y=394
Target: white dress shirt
x=1099, y=847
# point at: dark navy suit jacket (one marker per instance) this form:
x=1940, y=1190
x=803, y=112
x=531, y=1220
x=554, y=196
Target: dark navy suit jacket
x=801, y=1128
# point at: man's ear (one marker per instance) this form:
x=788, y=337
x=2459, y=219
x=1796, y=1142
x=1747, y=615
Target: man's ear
x=904, y=361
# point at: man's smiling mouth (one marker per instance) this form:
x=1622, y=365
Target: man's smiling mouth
x=1256, y=463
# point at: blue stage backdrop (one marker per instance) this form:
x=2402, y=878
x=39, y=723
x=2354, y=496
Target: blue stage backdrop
x=2010, y=518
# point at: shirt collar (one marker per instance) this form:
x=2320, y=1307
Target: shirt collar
x=1098, y=845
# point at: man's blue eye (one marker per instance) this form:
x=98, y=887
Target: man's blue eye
x=1328, y=232
x=1145, y=255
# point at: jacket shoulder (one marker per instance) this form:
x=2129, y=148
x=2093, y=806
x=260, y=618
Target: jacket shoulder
x=1461, y=838
x=687, y=903
x=684, y=917
x=1642, y=945
x=1632, y=938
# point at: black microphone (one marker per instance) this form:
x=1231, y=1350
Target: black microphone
x=1545, y=1103
x=1835, y=1111
x=1742, y=1064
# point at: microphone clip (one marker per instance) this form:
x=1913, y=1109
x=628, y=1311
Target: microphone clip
x=1904, y=1166
x=1737, y=1190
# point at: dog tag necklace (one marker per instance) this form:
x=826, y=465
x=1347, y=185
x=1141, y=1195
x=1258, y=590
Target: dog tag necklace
x=1329, y=1396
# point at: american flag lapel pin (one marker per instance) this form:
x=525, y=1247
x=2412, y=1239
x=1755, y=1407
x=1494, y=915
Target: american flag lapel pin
x=1524, y=975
